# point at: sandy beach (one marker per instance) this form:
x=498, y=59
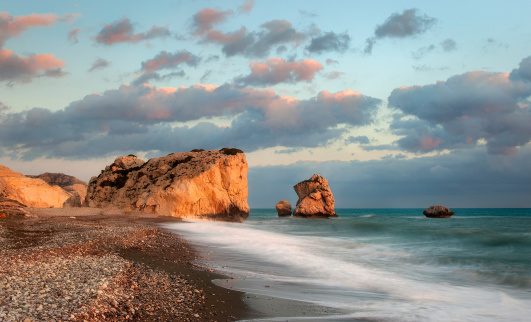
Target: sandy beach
x=94, y=264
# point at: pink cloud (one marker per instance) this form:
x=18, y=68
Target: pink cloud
x=277, y=70
x=429, y=142
x=226, y=38
x=15, y=68
x=206, y=18
x=23, y=69
x=166, y=60
x=509, y=150
x=12, y=26
x=246, y=7
x=122, y=31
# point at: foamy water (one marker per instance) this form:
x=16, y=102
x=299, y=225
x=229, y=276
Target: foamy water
x=381, y=264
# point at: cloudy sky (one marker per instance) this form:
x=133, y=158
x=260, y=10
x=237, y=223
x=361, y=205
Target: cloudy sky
x=396, y=103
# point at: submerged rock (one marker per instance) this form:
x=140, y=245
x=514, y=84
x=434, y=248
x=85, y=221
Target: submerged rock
x=198, y=184
x=315, y=198
x=438, y=212
x=283, y=208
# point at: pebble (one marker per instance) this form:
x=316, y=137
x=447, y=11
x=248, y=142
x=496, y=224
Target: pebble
x=69, y=275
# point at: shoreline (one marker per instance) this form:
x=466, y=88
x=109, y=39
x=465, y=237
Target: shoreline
x=91, y=264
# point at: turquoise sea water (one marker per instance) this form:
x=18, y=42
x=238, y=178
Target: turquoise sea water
x=381, y=264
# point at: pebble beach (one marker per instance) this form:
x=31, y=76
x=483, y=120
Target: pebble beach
x=93, y=265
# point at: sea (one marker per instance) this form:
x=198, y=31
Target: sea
x=379, y=264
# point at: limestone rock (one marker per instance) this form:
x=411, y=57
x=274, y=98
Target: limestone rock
x=438, y=212
x=69, y=183
x=315, y=198
x=198, y=184
x=283, y=208
x=31, y=192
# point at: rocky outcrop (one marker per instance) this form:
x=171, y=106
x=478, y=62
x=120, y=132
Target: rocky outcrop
x=438, y=212
x=198, y=184
x=315, y=198
x=69, y=183
x=31, y=192
x=283, y=208
x=11, y=207
x=73, y=202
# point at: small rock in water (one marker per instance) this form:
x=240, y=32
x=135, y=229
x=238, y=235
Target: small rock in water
x=438, y=212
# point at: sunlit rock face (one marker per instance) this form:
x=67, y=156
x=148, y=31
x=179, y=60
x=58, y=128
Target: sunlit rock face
x=315, y=198
x=438, y=212
x=199, y=184
x=283, y=208
x=31, y=192
x=70, y=184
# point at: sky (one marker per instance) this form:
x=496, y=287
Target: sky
x=396, y=103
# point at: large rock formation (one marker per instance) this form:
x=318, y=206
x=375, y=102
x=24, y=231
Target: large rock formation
x=283, y=208
x=198, y=184
x=69, y=183
x=438, y=212
x=315, y=198
x=30, y=192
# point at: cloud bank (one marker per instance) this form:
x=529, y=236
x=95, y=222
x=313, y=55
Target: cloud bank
x=464, y=110
x=146, y=118
x=257, y=44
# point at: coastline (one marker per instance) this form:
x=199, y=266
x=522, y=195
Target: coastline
x=93, y=264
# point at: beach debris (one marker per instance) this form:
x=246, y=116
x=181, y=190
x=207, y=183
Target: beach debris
x=438, y=212
x=197, y=184
x=283, y=208
x=315, y=198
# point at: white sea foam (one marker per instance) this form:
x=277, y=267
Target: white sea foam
x=345, y=273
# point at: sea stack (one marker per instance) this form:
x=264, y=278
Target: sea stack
x=283, y=208
x=315, y=198
x=438, y=212
x=198, y=184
